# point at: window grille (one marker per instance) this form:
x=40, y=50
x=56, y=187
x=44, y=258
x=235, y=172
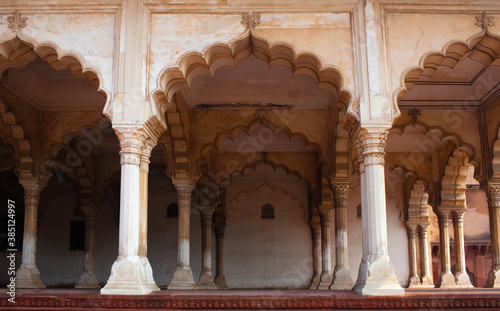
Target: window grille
x=77, y=235
x=358, y=211
x=173, y=211
x=267, y=211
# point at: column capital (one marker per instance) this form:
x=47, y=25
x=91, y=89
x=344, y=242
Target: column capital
x=148, y=146
x=411, y=229
x=184, y=186
x=458, y=217
x=131, y=139
x=493, y=195
x=89, y=211
x=326, y=215
x=31, y=188
x=370, y=144
x=340, y=191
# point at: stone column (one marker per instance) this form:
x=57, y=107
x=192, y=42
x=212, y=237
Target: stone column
x=326, y=247
x=317, y=261
x=206, y=278
x=376, y=274
x=220, y=279
x=28, y=275
x=461, y=277
x=342, y=275
x=412, y=245
x=493, y=193
x=88, y=278
x=183, y=276
x=131, y=273
x=426, y=259
x=446, y=279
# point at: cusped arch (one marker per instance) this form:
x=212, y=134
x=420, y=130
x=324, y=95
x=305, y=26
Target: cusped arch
x=483, y=47
x=309, y=146
x=438, y=135
x=18, y=50
x=245, y=194
x=217, y=55
x=22, y=146
x=453, y=184
x=73, y=157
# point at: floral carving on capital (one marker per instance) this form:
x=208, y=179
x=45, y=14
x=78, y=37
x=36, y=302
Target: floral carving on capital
x=493, y=194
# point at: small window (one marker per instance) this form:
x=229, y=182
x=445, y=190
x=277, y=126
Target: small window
x=358, y=211
x=173, y=211
x=77, y=235
x=267, y=211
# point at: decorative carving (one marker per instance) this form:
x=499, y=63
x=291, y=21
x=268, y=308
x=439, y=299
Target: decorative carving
x=374, y=159
x=340, y=191
x=493, y=194
x=16, y=22
x=411, y=229
x=414, y=113
x=484, y=21
x=250, y=20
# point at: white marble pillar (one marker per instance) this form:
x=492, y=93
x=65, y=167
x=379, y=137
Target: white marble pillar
x=446, y=279
x=413, y=252
x=342, y=279
x=376, y=274
x=183, y=276
x=461, y=277
x=206, y=280
x=28, y=275
x=493, y=193
x=131, y=273
x=426, y=260
x=317, y=260
x=88, y=278
x=326, y=247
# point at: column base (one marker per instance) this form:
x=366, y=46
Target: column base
x=326, y=281
x=446, y=280
x=427, y=282
x=315, y=281
x=463, y=280
x=377, y=277
x=493, y=279
x=88, y=279
x=342, y=279
x=220, y=281
x=130, y=275
x=206, y=281
x=414, y=282
x=28, y=278
x=183, y=279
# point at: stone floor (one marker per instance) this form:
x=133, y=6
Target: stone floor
x=80, y=299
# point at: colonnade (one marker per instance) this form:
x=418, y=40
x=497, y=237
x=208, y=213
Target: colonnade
x=132, y=274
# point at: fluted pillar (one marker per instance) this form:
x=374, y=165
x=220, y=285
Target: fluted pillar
x=183, y=276
x=446, y=279
x=412, y=245
x=326, y=247
x=317, y=261
x=28, y=275
x=206, y=280
x=426, y=260
x=131, y=273
x=461, y=277
x=88, y=279
x=342, y=279
x=493, y=193
x=376, y=274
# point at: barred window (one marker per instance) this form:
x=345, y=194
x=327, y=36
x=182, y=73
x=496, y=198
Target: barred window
x=173, y=211
x=77, y=235
x=358, y=211
x=267, y=211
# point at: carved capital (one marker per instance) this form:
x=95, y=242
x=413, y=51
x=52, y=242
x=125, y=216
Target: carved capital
x=340, y=191
x=493, y=194
x=444, y=217
x=184, y=187
x=326, y=216
x=149, y=144
x=458, y=218
x=411, y=229
x=131, y=143
x=370, y=144
x=31, y=190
